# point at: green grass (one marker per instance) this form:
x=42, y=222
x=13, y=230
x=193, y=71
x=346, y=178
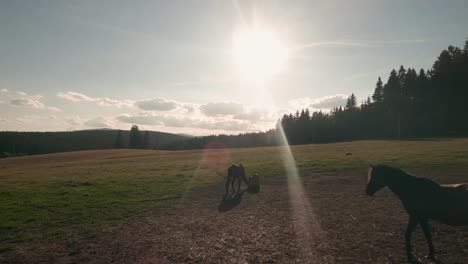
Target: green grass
x=81, y=193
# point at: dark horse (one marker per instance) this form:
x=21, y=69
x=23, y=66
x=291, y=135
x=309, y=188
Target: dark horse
x=235, y=172
x=423, y=200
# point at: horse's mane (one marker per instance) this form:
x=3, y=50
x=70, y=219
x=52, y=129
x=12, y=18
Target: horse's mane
x=393, y=170
x=403, y=175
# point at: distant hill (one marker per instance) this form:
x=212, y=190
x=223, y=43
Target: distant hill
x=30, y=143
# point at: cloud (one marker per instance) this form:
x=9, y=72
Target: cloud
x=74, y=121
x=189, y=108
x=104, y=101
x=222, y=109
x=31, y=101
x=54, y=109
x=27, y=102
x=100, y=122
x=144, y=118
x=156, y=104
x=29, y=118
x=255, y=115
x=75, y=97
x=357, y=43
x=3, y=90
x=158, y=119
x=334, y=44
x=324, y=103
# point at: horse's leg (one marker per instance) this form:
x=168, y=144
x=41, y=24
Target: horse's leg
x=227, y=184
x=412, y=223
x=232, y=184
x=427, y=233
x=239, y=183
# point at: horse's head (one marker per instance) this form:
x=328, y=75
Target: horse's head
x=374, y=181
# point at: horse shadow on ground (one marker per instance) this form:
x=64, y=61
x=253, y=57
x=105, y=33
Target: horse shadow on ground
x=229, y=201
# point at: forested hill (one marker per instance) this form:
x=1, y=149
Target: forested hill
x=30, y=143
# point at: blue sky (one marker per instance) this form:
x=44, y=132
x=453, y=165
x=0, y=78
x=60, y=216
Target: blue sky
x=168, y=65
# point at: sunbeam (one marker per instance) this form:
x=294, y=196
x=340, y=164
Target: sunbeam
x=309, y=233
x=260, y=54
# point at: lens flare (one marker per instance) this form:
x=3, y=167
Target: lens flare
x=309, y=233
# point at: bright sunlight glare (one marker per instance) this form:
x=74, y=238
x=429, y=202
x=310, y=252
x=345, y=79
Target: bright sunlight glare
x=259, y=54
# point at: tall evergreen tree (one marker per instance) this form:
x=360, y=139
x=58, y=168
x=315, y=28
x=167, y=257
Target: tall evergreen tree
x=351, y=102
x=378, y=92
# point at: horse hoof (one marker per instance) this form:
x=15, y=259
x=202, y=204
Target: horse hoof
x=431, y=257
x=413, y=260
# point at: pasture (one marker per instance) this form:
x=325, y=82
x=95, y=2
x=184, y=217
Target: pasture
x=161, y=206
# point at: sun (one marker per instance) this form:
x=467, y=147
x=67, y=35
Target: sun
x=258, y=54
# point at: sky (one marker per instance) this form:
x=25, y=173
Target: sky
x=170, y=65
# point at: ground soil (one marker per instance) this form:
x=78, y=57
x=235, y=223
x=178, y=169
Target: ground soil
x=333, y=222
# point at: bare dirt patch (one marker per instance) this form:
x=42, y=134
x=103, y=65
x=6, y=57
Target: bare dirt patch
x=344, y=226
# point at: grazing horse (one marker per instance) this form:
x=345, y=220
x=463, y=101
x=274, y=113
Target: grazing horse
x=235, y=172
x=423, y=200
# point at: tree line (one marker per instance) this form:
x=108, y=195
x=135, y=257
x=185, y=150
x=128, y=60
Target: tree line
x=410, y=104
x=31, y=143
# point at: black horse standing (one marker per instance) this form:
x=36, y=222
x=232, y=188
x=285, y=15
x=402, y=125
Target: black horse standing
x=235, y=172
x=423, y=200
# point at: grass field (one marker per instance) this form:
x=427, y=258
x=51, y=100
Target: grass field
x=80, y=193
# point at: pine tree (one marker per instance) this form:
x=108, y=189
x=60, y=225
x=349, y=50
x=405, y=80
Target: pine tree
x=392, y=89
x=351, y=102
x=401, y=76
x=378, y=92
x=465, y=48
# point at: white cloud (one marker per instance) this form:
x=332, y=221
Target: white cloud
x=74, y=121
x=256, y=115
x=158, y=114
x=143, y=118
x=222, y=109
x=325, y=103
x=100, y=122
x=104, y=101
x=75, y=97
x=3, y=90
x=189, y=108
x=32, y=102
x=159, y=104
x=29, y=118
x=176, y=120
x=54, y=109
x=358, y=43
x=27, y=102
